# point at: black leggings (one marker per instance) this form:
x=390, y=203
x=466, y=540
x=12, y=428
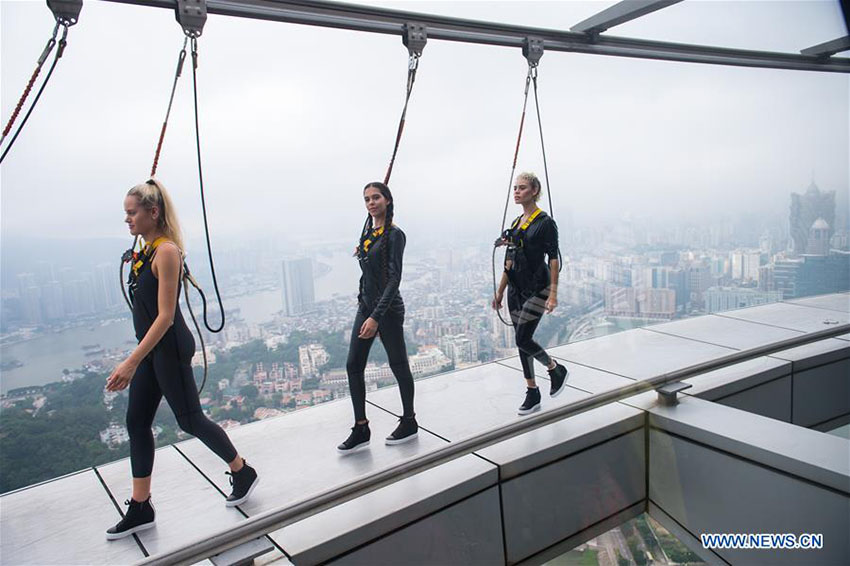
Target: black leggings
x=392, y=336
x=525, y=314
x=159, y=375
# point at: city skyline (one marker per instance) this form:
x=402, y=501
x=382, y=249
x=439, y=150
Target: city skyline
x=630, y=271
x=49, y=291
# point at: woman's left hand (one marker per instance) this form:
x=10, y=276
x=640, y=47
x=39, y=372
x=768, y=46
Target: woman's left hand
x=551, y=303
x=121, y=376
x=368, y=329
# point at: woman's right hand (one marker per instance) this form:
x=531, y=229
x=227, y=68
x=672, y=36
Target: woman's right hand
x=121, y=375
x=497, y=301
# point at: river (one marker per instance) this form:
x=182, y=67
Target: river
x=44, y=357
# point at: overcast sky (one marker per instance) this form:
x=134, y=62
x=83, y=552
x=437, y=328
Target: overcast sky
x=296, y=119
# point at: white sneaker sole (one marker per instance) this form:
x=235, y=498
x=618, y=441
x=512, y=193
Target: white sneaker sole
x=128, y=532
x=393, y=441
x=563, y=386
x=242, y=500
x=534, y=409
x=357, y=448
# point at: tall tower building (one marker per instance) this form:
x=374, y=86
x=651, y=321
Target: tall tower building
x=805, y=210
x=818, y=243
x=107, y=292
x=297, y=279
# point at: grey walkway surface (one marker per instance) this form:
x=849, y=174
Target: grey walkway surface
x=63, y=521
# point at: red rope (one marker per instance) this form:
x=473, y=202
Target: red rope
x=21, y=101
x=158, y=149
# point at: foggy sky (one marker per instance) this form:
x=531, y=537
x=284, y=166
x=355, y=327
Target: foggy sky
x=296, y=119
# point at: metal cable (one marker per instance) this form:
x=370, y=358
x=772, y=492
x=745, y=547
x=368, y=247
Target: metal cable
x=180, y=59
x=45, y=53
x=186, y=281
x=203, y=200
x=48, y=48
x=545, y=165
x=510, y=183
x=412, y=65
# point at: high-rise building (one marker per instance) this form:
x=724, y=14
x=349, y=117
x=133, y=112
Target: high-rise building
x=657, y=303
x=766, y=282
x=297, y=279
x=745, y=265
x=719, y=299
x=818, y=243
x=805, y=210
x=311, y=357
x=107, y=292
x=44, y=272
x=31, y=303
x=812, y=275
x=699, y=279
x=54, y=306
x=640, y=302
x=459, y=348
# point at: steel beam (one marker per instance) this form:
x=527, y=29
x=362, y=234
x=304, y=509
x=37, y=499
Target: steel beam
x=829, y=48
x=386, y=21
x=620, y=13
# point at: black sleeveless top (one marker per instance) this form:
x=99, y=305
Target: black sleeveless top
x=178, y=339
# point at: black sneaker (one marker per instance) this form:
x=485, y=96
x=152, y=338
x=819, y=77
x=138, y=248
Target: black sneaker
x=357, y=440
x=139, y=516
x=406, y=431
x=558, y=379
x=532, y=401
x=244, y=481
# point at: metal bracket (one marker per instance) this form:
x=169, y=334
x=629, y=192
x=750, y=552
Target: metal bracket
x=532, y=49
x=191, y=15
x=415, y=37
x=66, y=12
x=244, y=554
x=667, y=393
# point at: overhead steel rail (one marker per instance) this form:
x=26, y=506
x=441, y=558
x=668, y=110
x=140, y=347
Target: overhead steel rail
x=388, y=21
x=620, y=13
x=274, y=519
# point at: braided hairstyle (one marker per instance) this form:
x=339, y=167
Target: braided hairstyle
x=388, y=224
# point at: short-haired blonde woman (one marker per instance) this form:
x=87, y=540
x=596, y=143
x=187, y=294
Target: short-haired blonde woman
x=532, y=285
x=161, y=363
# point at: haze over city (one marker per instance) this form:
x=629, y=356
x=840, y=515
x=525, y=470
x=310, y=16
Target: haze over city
x=295, y=119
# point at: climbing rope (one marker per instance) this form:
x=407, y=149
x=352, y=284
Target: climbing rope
x=203, y=200
x=180, y=59
x=414, y=39
x=51, y=43
x=533, y=50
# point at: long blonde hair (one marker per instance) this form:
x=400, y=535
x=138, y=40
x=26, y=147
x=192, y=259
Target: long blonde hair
x=151, y=194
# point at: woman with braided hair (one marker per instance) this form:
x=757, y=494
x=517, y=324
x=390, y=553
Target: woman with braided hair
x=380, y=311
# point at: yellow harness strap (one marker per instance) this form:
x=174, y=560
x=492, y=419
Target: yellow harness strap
x=375, y=234
x=528, y=222
x=147, y=251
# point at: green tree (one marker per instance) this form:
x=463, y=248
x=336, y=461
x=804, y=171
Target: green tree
x=249, y=392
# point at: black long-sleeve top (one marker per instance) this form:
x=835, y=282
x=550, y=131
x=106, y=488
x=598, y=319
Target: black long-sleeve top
x=379, y=294
x=529, y=272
